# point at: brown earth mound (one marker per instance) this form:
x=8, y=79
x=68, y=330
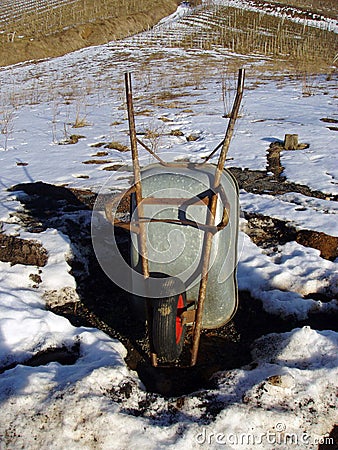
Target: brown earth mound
x=22, y=251
x=81, y=33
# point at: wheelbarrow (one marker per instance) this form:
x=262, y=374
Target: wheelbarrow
x=184, y=230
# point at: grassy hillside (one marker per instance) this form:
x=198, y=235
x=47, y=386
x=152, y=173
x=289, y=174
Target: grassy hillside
x=54, y=31
x=38, y=29
x=248, y=32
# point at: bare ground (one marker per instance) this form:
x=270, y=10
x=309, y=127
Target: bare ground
x=99, y=303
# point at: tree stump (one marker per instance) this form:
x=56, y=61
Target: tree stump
x=291, y=141
x=274, y=162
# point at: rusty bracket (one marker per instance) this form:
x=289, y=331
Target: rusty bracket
x=188, y=316
x=179, y=202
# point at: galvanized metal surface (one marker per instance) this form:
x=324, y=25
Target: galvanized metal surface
x=177, y=250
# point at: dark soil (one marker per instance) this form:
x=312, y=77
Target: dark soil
x=330, y=443
x=260, y=182
x=268, y=232
x=63, y=355
x=22, y=251
x=105, y=306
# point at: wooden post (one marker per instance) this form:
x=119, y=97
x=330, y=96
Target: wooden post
x=291, y=141
x=142, y=236
x=137, y=177
x=207, y=244
x=274, y=162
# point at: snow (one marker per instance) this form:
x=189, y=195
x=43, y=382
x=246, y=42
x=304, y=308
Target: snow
x=317, y=215
x=182, y=10
x=281, y=280
x=289, y=390
x=268, y=404
x=286, y=11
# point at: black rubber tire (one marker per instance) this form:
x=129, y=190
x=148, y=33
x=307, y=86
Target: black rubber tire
x=167, y=331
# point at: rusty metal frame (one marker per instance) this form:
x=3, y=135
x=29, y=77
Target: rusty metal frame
x=205, y=200
x=211, y=218
x=135, y=226
x=210, y=228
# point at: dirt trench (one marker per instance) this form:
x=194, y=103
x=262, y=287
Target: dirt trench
x=104, y=305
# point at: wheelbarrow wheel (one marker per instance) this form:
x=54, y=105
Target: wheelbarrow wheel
x=168, y=332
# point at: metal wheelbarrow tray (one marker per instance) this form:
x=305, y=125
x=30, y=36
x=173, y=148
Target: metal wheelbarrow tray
x=184, y=228
x=172, y=198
